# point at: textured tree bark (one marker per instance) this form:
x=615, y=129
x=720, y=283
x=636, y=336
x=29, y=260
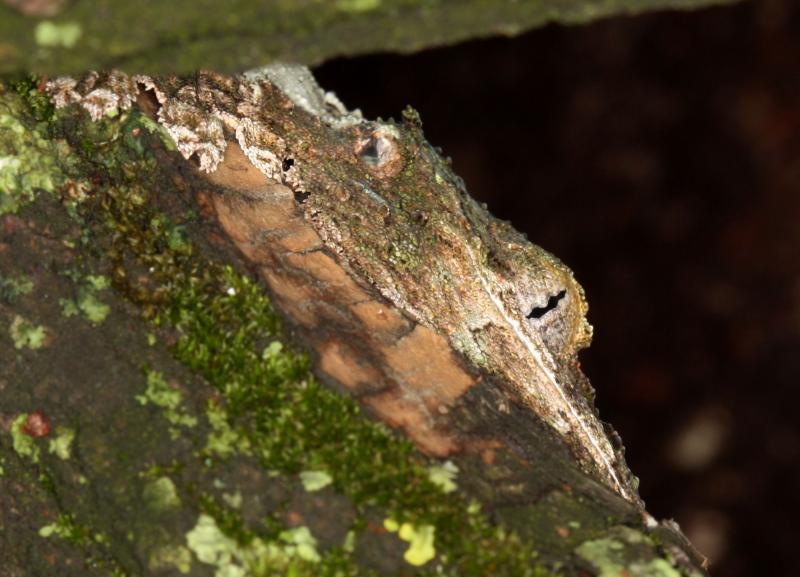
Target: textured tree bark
x=158, y=419
x=63, y=36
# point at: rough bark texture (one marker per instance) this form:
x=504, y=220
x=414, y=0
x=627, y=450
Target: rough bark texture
x=158, y=419
x=61, y=36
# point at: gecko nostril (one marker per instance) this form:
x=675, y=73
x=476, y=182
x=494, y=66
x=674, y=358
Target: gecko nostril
x=370, y=153
x=552, y=302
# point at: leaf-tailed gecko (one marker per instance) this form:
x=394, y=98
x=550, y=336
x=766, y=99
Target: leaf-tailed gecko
x=388, y=204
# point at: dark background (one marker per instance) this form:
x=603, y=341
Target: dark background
x=659, y=157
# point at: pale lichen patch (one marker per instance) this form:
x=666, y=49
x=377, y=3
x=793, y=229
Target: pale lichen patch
x=100, y=94
x=194, y=132
x=27, y=335
x=24, y=445
x=49, y=34
x=419, y=537
x=61, y=444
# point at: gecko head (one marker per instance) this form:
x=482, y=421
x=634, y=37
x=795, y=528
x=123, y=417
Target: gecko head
x=548, y=300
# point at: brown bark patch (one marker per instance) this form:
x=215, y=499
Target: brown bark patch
x=330, y=273
x=406, y=413
x=341, y=362
x=379, y=319
x=429, y=367
x=237, y=172
x=293, y=296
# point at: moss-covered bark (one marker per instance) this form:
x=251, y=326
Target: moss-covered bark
x=182, y=35
x=157, y=420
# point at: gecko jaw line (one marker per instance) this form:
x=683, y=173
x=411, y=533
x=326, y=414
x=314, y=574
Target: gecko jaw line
x=552, y=378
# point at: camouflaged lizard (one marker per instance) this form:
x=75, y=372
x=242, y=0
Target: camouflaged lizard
x=387, y=203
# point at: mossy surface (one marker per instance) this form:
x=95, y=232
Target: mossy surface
x=183, y=35
x=186, y=434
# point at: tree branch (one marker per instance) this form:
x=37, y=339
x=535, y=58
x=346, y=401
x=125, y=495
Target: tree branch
x=183, y=35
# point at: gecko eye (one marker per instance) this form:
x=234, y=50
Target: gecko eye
x=552, y=302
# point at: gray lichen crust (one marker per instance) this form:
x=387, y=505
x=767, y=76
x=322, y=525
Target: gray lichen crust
x=511, y=308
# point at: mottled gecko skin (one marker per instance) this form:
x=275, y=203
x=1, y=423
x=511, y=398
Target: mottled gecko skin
x=399, y=219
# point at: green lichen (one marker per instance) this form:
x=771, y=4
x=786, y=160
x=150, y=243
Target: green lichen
x=168, y=398
x=87, y=302
x=13, y=288
x=26, y=335
x=160, y=495
x=357, y=5
x=233, y=500
x=51, y=34
x=30, y=161
x=61, y=444
x=171, y=557
x=24, y=444
x=295, y=548
x=626, y=552
x=420, y=538
x=315, y=480
x=443, y=476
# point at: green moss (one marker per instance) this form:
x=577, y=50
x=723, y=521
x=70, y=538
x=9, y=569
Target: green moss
x=223, y=441
x=35, y=100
